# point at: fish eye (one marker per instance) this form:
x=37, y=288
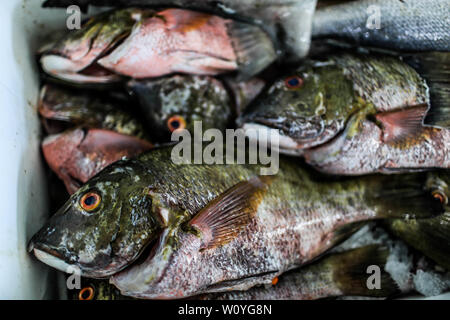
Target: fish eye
x=439, y=195
x=90, y=201
x=293, y=82
x=176, y=122
x=87, y=293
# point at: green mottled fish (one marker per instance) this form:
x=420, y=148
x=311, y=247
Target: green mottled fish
x=214, y=227
x=354, y=114
x=87, y=109
x=175, y=102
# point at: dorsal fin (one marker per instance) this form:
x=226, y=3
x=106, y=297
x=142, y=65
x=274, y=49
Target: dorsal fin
x=227, y=215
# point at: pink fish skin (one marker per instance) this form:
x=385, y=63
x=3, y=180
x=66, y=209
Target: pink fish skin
x=76, y=156
x=174, y=40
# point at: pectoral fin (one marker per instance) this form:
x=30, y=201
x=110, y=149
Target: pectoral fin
x=403, y=124
x=227, y=215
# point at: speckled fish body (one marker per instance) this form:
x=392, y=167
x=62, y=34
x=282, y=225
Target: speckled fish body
x=296, y=218
x=144, y=43
x=89, y=110
x=183, y=99
x=353, y=114
x=410, y=25
x=291, y=219
x=335, y=275
x=292, y=19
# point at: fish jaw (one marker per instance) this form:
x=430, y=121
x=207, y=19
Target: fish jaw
x=58, y=263
x=286, y=144
x=68, y=70
x=52, y=261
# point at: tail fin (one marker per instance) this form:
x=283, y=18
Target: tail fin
x=295, y=19
x=403, y=196
x=435, y=68
x=253, y=47
x=355, y=272
x=429, y=236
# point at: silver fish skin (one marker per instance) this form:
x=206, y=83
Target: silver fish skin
x=409, y=25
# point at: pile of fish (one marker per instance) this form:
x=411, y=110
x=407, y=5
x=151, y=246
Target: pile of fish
x=362, y=115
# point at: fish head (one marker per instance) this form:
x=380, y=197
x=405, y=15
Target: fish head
x=307, y=107
x=73, y=57
x=103, y=227
x=177, y=102
x=56, y=103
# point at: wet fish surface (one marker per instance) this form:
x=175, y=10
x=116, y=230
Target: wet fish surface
x=144, y=43
x=176, y=102
x=287, y=22
x=353, y=114
x=88, y=109
x=409, y=25
x=273, y=223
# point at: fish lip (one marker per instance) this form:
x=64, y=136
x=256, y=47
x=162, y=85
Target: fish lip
x=54, y=259
x=50, y=257
x=67, y=70
x=287, y=145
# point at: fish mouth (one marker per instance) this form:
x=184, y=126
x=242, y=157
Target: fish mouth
x=65, y=69
x=52, y=260
x=57, y=260
x=50, y=257
x=286, y=144
x=302, y=134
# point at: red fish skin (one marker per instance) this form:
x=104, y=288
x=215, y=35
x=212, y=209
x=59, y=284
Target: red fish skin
x=174, y=40
x=77, y=156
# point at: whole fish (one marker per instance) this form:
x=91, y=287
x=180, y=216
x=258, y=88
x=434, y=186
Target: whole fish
x=410, y=25
x=87, y=109
x=172, y=103
x=353, y=114
x=285, y=20
x=213, y=227
x=76, y=155
x=144, y=43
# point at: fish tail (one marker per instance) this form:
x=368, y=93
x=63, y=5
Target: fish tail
x=405, y=196
x=295, y=21
x=429, y=236
x=435, y=68
x=360, y=272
